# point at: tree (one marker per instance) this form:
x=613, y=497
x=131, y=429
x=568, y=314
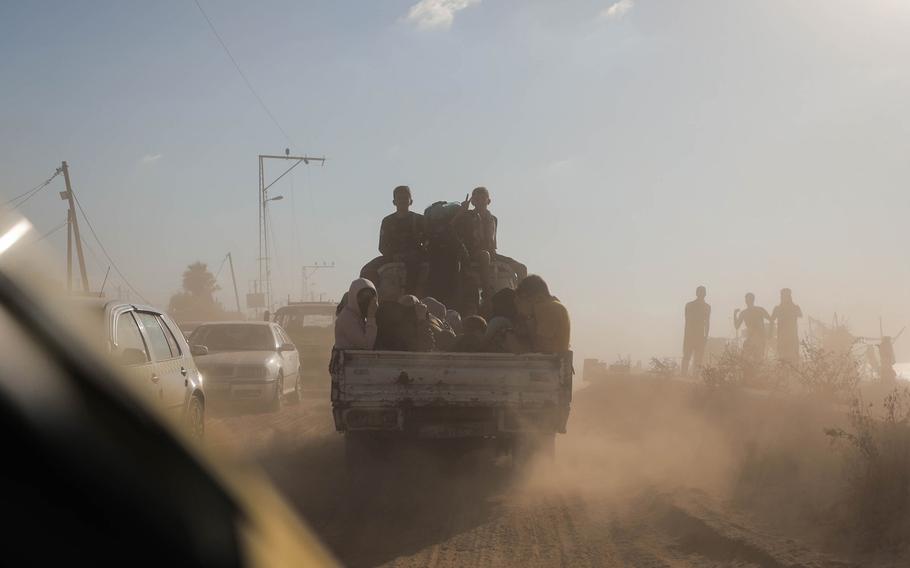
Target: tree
x=196, y=302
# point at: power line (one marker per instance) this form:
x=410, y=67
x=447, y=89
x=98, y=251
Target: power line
x=242, y=74
x=49, y=233
x=223, y=260
x=31, y=193
x=106, y=255
x=97, y=260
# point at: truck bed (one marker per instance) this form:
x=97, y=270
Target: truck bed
x=451, y=394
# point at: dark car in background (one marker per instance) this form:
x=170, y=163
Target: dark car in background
x=311, y=326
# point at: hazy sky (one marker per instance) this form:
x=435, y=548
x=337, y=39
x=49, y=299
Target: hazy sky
x=634, y=149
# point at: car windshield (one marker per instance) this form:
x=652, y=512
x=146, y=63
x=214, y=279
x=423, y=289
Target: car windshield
x=235, y=337
x=294, y=321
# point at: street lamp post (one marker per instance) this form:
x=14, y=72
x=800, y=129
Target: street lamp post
x=268, y=255
x=265, y=267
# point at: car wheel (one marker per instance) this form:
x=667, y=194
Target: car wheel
x=275, y=404
x=195, y=418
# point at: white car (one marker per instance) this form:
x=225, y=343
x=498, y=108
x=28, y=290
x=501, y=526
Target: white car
x=247, y=361
x=154, y=355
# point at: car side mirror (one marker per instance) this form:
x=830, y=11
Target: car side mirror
x=199, y=350
x=133, y=356
x=287, y=347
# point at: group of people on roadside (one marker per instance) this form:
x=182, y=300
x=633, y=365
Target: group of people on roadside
x=458, y=243
x=755, y=345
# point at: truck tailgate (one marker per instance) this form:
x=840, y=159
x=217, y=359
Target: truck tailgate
x=408, y=380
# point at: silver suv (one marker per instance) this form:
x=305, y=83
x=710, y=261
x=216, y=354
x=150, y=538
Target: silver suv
x=156, y=359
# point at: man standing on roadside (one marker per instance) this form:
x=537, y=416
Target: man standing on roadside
x=754, y=317
x=786, y=314
x=698, y=322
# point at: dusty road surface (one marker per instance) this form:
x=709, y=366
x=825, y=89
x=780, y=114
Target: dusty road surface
x=636, y=482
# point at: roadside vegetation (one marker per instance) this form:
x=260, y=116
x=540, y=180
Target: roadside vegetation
x=876, y=509
x=663, y=367
x=856, y=488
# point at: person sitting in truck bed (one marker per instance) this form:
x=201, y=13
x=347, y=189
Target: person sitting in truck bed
x=402, y=238
x=395, y=331
x=417, y=315
x=548, y=320
x=477, y=229
x=355, y=326
x=506, y=328
x=471, y=339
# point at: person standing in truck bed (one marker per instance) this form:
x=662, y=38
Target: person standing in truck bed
x=402, y=238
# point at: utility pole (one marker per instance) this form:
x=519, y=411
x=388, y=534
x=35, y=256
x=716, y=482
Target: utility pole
x=308, y=271
x=265, y=265
x=72, y=231
x=234, y=281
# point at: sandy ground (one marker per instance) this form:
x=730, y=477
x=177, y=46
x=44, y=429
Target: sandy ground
x=635, y=482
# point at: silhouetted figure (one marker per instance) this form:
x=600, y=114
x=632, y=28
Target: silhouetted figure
x=754, y=317
x=549, y=328
x=446, y=255
x=401, y=239
x=698, y=322
x=477, y=229
x=396, y=327
x=786, y=315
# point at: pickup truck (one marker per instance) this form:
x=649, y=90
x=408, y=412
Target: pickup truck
x=519, y=402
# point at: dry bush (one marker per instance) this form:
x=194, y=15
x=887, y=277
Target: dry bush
x=831, y=374
x=876, y=510
x=663, y=367
x=734, y=369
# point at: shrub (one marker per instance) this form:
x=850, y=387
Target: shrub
x=734, y=368
x=663, y=367
x=877, y=506
x=832, y=374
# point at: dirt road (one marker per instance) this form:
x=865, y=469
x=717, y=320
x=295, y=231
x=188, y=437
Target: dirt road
x=618, y=494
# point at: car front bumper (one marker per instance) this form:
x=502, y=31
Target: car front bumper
x=241, y=390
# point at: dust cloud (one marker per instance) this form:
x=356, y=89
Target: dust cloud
x=652, y=471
